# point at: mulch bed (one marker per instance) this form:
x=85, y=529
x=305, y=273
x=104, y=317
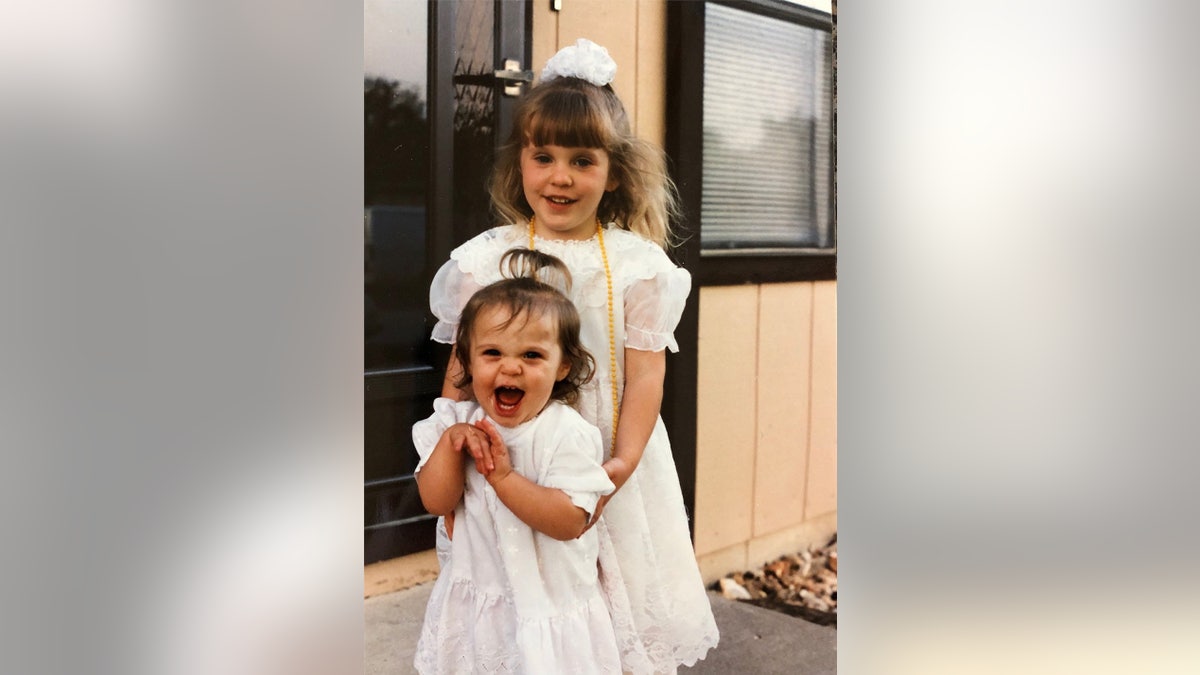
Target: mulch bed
x=802, y=584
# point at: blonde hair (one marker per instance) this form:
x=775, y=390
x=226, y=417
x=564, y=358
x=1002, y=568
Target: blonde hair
x=571, y=112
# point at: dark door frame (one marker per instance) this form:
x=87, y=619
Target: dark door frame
x=414, y=530
x=513, y=20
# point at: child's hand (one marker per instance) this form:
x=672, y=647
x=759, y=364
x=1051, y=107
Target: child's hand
x=618, y=472
x=475, y=442
x=502, y=463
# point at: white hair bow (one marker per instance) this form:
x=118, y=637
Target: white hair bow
x=584, y=59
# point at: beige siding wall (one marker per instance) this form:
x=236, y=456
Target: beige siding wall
x=635, y=34
x=766, y=456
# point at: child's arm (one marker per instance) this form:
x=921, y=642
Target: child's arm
x=440, y=482
x=547, y=510
x=453, y=373
x=480, y=453
x=644, y=374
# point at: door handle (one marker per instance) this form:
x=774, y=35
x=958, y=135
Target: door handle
x=512, y=77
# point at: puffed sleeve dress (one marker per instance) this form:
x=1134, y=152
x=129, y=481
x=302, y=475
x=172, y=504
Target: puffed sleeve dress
x=653, y=556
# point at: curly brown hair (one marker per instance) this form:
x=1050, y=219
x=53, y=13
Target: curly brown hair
x=523, y=294
x=571, y=112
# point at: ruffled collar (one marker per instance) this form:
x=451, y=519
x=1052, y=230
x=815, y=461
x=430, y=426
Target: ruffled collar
x=631, y=257
x=592, y=240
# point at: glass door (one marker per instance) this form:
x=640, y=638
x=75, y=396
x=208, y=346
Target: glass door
x=432, y=107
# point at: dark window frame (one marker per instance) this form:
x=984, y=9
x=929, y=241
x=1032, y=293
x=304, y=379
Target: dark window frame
x=684, y=144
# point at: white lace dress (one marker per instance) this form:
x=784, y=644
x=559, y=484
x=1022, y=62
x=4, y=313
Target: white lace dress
x=654, y=566
x=511, y=599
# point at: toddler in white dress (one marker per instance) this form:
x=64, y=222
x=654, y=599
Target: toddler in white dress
x=520, y=592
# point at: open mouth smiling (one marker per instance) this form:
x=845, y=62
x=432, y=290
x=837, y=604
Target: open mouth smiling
x=561, y=201
x=508, y=399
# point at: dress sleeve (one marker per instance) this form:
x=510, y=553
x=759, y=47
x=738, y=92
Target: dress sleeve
x=446, y=413
x=448, y=294
x=575, y=468
x=654, y=303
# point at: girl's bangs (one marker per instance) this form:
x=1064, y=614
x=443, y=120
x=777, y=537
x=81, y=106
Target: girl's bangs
x=570, y=123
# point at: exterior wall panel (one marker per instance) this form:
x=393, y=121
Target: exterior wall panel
x=650, y=109
x=783, y=386
x=792, y=440
x=726, y=410
x=822, y=462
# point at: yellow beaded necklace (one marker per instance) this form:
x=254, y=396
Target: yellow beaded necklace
x=612, y=340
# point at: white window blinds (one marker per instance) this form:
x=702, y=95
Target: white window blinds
x=768, y=133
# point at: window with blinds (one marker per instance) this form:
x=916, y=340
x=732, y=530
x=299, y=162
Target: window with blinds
x=767, y=178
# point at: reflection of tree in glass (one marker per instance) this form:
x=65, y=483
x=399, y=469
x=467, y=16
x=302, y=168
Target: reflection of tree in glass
x=396, y=138
x=474, y=114
x=474, y=152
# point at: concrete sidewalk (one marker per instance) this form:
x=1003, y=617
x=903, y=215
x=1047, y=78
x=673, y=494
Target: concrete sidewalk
x=755, y=641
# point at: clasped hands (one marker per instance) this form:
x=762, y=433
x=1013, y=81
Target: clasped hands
x=484, y=445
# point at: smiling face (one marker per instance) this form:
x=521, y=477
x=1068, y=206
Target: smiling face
x=514, y=366
x=563, y=186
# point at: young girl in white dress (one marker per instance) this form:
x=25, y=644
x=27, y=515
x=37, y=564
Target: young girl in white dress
x=520, y=591
x=574, y=181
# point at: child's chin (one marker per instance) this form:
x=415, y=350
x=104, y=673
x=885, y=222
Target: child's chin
x=516, y=418
x=506, y=422
x=505, y=418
